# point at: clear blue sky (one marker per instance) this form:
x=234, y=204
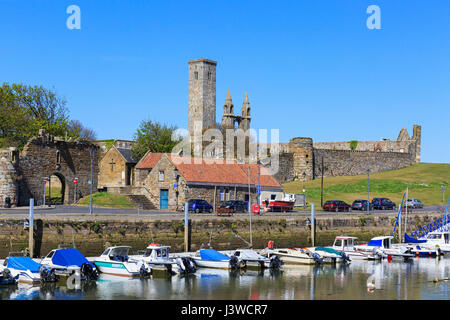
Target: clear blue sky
x=311, y=68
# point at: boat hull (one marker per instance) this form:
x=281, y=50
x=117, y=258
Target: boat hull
x=225, y=264
x=117, y=269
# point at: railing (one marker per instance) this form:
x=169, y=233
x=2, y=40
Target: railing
x=435, y=225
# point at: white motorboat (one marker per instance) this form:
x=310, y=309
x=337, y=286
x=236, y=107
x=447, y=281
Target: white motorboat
x=115, y=261
x=156, y=258
x=347, y=245
x=383, y=245
x=210, y=258
x=68, y=261
x=253, y=260
x=23, y=269
x=296, y=256
x=330, y=255
x=438, y=239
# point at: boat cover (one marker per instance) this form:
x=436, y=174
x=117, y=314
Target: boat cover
x=69, y=257
x=408, y=239
x=213, y=255
x=329, y=250
x=375, y=243
x=23, y=263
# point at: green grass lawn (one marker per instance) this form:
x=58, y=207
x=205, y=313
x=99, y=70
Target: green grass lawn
x=105, y=199
x=424, y=181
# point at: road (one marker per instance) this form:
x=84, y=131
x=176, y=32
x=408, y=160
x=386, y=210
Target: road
x=84, y=210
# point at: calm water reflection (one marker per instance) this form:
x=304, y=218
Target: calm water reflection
x=395, y=280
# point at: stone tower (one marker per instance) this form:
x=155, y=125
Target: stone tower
x=245, y=114
x=228, y=117
x=8, y=181
x=417, y=135
x=202, y=94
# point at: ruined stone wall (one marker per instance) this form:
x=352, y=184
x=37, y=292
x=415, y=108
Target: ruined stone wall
x=44, y=156
x=382, y=145
x=8, y=179
x=350, y=163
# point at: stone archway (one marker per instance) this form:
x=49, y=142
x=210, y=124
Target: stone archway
x=57, y=189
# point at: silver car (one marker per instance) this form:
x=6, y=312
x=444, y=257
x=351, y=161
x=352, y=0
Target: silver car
x=414, y=203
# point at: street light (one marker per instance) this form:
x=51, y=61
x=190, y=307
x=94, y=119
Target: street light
x=368, y=191
x=91, y=153
x=303, y=178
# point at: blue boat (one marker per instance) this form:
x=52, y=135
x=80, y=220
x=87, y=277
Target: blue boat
x=23, y=269
x=69, y=261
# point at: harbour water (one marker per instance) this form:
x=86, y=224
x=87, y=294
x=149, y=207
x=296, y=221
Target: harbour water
x=419, y=279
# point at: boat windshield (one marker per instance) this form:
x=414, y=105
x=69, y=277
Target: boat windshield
x=338, y=243
x=435, y=236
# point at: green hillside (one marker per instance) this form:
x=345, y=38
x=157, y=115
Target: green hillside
x=424, y=180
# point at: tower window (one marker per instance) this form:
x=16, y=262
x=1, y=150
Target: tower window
x=58, y=157
x=196, y=75
x=209, y=75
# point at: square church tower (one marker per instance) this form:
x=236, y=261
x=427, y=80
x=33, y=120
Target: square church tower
x=202, y=94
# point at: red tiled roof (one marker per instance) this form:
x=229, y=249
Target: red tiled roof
x=206, y=171
x=149, y=160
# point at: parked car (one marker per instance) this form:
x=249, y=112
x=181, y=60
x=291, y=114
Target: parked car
x=199, y=205
x=383, y=204
x=235, y=205
x=361, y=204
x=336, y=205
x=414, y=203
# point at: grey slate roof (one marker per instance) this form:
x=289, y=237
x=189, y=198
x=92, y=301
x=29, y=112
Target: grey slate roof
x=127, y=154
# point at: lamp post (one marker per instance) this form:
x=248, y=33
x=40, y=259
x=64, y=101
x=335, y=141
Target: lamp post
x=91, y=153
x=368, y=191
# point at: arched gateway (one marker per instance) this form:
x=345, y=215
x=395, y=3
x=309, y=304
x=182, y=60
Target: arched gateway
x=46, y=156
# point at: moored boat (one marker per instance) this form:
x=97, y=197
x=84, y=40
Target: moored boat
x=69, y=261
x=383, y=245
x=210, y=258
x=347, y=245
x=157, y=259
x=253, y=260
x=115, y=261
x=296, y=256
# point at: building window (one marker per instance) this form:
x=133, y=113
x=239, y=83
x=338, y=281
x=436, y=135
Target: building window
x=209, y=75
x=222, y=194
x=196, y=75
x=227, y=194
x=161, y=176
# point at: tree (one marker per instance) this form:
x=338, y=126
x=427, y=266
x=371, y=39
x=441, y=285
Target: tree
x=77, y=130
x=26, y=109
x=154, y=137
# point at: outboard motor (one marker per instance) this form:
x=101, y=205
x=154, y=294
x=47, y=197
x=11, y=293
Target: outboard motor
x=234, y=262
x=275, y=262
x=88, y=272
x=48, y=275
x=188, y=265
x=181, y=266
x=317, y=258
x=144, y=272
x=345, y=257
x=169, y=270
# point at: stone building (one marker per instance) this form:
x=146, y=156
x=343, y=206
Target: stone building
x=172, y=180
x=45, y=156
x=116, y=168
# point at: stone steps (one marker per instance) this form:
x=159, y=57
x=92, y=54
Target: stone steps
x=142, y=200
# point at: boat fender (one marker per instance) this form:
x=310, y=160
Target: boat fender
x=270, y=244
